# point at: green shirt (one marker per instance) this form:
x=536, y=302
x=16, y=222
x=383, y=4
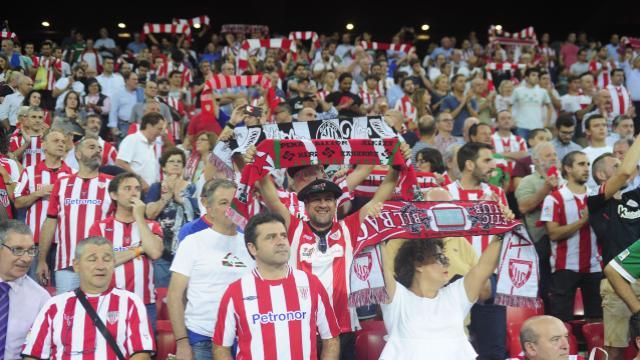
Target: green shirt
x=528, y=186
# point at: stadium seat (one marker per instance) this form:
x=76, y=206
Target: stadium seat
x=513, y=339
x=578, y=305
x=161, y=304
x=593, y=336
x=166, y=341
x=372, y=325
x=369, y=344
x=515, y=317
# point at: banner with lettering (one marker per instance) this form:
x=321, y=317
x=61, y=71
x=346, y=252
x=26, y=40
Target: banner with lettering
x=518, y=270
x=366, y=127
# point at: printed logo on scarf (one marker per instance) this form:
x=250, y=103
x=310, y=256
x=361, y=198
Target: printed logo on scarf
x=520, y=271
x=362, y=266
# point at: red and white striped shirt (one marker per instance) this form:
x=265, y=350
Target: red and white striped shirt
x=32, y=179
x=620, y=100
x=169, y=66
x=578, y=252
x=368, y=97
x=33, y=155
x=479, y=242
x=332, y=266
x=63, y=329
x=275, y=319
x=513, y=143
x=77, y=204
x=405, y=106
x=109, y=152
x=370, y=185
x=49, y=64
x=135, y=275
x=604, y=78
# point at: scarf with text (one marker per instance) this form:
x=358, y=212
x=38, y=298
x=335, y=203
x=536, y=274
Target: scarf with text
x=518, y=268
x=424, y=179
x=282, y=154
x=526, y=36
x=306, y=35
x=374, y=45
x=256, y=44
x=365, y=127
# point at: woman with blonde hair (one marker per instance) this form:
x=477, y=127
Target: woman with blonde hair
x=441, y=89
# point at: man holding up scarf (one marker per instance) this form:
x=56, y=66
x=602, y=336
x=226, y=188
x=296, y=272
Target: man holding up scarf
x=324, y=246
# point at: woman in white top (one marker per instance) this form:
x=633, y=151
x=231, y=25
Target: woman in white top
x=424, y=316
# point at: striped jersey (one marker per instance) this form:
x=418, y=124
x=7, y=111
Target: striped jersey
x=77, y=204
x=32, y=179
x=579, y=252
x=64, y=330
x=275, y=319
x=331, y=266
x=136, y=275
x=33, y=155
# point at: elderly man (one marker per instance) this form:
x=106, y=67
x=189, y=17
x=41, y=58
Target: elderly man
x=622, y=129
x=544, y=338
x=75, y=317
x=21, y=298
x=11, y=104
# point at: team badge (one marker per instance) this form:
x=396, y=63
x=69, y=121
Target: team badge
x=112, y=317
x=519, y=271
x=303, y=292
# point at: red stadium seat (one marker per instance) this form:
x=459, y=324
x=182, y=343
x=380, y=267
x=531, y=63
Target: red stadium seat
x=513, y=339
x=515, y=317
x=161, y=304
x=593, y=336
x=578, y=305
x=372, y=325
x=165, y=339
x=369, y=344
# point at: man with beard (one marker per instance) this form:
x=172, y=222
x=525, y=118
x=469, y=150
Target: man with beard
x=323, y=246
x=405, y=104
x=477, y=165
x=92, y=126
x=566, y=127
x=76, y=202
x=613, y=218
x=575, y=261
x=347, y=103
x=36, y=182
x=622, y=129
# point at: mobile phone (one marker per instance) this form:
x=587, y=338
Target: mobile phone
x=253, y=111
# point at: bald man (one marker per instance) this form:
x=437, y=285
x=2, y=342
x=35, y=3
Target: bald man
x=544, y=338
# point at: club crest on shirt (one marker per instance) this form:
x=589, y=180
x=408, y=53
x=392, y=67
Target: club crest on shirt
x=112, y=317
x=68, y=319
x=231, y=260
x=102, y=185
x=335, y=235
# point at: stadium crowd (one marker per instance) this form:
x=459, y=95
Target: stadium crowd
x=135, y=201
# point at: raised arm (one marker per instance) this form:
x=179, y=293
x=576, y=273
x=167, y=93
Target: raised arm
x=624, y=172
x=476, y=278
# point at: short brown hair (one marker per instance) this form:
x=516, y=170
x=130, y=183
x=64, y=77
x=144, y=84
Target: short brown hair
x=169, y=153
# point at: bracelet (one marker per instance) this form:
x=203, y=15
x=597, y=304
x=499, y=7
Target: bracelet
x=182, y=338
x=138, y=251
x=230, y=125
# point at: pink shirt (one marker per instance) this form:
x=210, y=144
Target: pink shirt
x=569, y=53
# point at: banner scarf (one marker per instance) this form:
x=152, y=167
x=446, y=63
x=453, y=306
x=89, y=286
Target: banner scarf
x=372, y=127
x=518, y=269
x=281, y=154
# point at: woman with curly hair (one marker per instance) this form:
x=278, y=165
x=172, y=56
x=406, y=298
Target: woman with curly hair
x=426, y=308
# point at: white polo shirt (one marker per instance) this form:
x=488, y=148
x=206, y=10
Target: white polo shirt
x=211, y=261
x=140, y=153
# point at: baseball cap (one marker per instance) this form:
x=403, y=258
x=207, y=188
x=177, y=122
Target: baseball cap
x=320, y=186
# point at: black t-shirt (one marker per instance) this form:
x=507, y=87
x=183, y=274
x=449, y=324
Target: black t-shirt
x=616, y=222
x=339, y=97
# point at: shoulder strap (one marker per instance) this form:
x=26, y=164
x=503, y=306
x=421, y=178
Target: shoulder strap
x=99, y=324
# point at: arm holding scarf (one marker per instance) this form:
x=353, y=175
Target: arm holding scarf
x=270, y=197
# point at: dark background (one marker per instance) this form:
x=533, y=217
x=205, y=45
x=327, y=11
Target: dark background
x=445, y=17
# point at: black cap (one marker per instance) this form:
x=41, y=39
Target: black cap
x=318, y=187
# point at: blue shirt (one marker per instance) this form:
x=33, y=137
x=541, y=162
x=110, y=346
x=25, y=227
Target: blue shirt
x=122, y=104
x=193, y=227
x=393, y=95
x=440, y=50
x=451, y=103
x=633, y=81
x=136, y=47
x=612, y=52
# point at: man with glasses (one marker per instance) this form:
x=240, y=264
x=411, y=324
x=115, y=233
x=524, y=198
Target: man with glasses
x=21, y=298
x=566, y=127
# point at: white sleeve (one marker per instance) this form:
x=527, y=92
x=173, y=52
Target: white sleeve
x=459, y=292
x=547, y=209
x=185, y=255
x=126, y=150
x=62, y=83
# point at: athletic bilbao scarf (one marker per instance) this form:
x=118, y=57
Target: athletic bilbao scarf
x=306, y=35
x=500, y=67
x=527, y=36
x=255, y=44
x=244, y=29
x=518, y=269
x=198, y=20
x=282, y=154
x=373, y=45
x=165, y=29
x=369, y=186
x=226, y=81
x=8, y=35
x=366, y=127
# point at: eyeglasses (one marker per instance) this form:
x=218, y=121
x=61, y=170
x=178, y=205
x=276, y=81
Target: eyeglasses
x=421, y=161
x=442, y=259
x=174, y=161
x=32, y=251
